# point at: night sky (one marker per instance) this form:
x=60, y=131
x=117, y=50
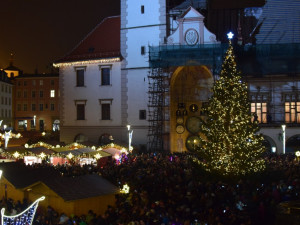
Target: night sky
x=39, y=32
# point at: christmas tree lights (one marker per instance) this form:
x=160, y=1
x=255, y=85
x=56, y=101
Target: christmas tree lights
x=23, y=218
x=230, y=142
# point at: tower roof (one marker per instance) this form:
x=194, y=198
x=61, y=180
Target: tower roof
x=102, y=42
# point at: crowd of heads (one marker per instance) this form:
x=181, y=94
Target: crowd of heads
x=170, y=189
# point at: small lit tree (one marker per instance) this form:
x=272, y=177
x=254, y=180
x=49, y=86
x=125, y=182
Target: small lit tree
x=229, y=140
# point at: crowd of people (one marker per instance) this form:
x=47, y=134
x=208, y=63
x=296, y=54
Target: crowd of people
x=170, y=189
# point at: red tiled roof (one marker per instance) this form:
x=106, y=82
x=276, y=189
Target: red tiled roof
x=102, y=42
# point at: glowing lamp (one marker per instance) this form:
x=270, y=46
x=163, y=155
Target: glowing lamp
x=297, y=153
x=16, y=154
x=97, y=156
x=125, y=189
x=42, y=155
x=70, y=155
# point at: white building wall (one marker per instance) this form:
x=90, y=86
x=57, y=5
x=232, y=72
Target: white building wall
x=139, y=29
x=93, y=126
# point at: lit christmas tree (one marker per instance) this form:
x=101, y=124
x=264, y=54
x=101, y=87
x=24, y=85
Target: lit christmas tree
x=229, y=140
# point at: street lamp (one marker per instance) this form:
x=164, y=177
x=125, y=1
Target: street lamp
x=129, y=137
x=283, y=126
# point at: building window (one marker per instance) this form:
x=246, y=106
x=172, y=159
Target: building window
x=105, y=76
x=41, y=107
x=80, y=111
x=105, y=108
x=33, y=82
x=33, y=107
x=19, y=107
x=143, y=50
x=259, y=111
x=52, y=93
x=79, y=77
x=9, y=89
x=32, y=124
x=5, y=89
x=5, y=101
x=25, y=94
x=41, y=82
x=25, y=83
x=9, y=101
x=25, y=107
x=52, y=106
x=41, y=94
x=105, y=111
x=292, y=112
x=19, y=94
x=142, y=9
x=142, y=114
x=33, y=94
x=19, y=83
x=52, y=82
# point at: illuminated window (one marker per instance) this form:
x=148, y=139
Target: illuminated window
x=52, y=93
x=41, y=82
x=33, y=82
x=259, y=109
x=292, y=112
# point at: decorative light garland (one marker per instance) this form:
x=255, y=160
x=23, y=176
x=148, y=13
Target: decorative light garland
x=24, y=218
x=77, y=63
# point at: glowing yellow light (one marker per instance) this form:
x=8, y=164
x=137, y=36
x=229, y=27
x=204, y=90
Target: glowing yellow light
x=70, y=155
x=57, y=146
x=93, y=147
x=42, y=155
x=297, y=153
x=77, y=63
x=16, y=154
x=97, y=156
x=125, y=189
x=26, y=145
x=112, y=145
x=44, y=133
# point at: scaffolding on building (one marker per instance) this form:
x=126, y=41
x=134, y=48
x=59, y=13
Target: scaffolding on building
x=252, y=60
x=157, y=107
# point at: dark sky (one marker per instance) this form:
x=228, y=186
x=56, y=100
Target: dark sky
x=39, y=32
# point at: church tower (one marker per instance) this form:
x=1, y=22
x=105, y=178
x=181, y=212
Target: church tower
x=143, y=24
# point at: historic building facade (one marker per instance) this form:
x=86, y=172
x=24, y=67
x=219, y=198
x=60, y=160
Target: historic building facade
x=36, y=102
x=160, y=66
x=5, y=100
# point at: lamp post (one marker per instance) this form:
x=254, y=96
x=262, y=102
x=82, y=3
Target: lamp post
x=129, y=137
x=283, y=126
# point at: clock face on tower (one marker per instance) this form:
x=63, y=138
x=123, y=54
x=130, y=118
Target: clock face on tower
x=193, y=124
x=191, y=37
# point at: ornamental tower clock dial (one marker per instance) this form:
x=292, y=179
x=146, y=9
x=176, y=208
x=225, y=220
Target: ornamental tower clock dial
x=191, y=36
